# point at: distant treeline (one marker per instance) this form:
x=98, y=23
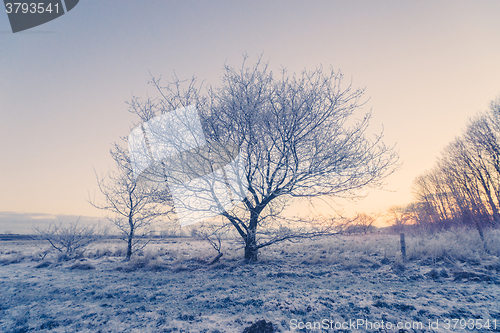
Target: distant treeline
x=464, y=185
x=9, y=237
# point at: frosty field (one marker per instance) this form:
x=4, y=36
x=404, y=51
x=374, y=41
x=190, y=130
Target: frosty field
x=331, y=284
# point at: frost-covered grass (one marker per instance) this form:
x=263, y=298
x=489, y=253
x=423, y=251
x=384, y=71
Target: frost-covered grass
x=169, y=287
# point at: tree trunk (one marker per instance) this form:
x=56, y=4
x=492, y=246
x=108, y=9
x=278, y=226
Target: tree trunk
x=251, y=250
x=403, y=246
x=130, y=237
x=129, y=246
x=251, y=253
x=216, y=259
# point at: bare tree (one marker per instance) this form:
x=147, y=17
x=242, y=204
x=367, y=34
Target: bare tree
x=291, y=136
x=360, y=223
x=212, y=233
x=132, y=203
x=400, y=217
x=69, y=239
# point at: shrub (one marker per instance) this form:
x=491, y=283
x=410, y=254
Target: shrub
x=69, y=240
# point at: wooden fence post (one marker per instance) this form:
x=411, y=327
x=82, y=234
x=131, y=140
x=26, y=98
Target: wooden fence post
x=403, y=245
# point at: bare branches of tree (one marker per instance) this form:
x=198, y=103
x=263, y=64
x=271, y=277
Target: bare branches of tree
x=70, y=239
x=131, y=203
x=464, y=186
x=401, y=216
x=360, y=223
x=292, y=140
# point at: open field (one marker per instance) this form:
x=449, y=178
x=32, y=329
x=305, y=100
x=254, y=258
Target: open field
x=332, y=282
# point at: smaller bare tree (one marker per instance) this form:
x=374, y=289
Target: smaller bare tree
x=132, y=202
x=361, y=223
x=69, y=239
x=213, y=234
x=400, y=217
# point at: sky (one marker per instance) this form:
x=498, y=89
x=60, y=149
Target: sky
x=427, y=67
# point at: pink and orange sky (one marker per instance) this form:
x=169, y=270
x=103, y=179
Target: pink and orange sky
x=427, y=67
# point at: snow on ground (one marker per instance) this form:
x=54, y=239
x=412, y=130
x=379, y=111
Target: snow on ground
x=331, y=284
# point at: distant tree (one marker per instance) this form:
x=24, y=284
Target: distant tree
x=361, y=223
x=366, y=222
x=400, y=217
x=294, y=140
x=132, y=203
